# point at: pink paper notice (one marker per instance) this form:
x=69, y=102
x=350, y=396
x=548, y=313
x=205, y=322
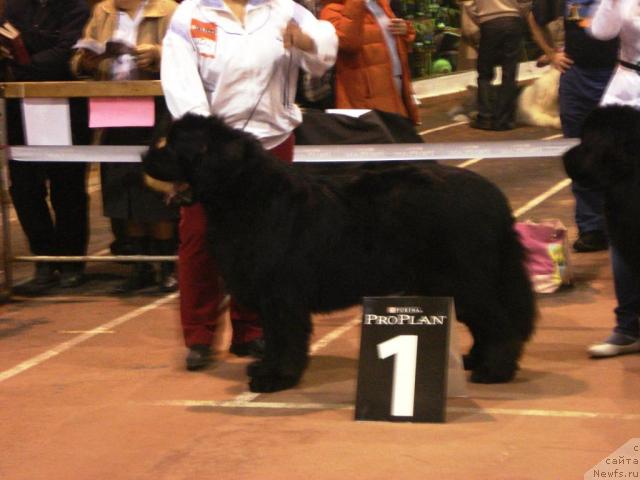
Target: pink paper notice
x=121, y=112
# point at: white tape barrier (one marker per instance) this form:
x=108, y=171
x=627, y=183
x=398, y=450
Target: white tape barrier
x=329, y=153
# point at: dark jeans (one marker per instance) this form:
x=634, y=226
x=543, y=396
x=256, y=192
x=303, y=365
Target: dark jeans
x=65, y=232
x=627, y=288
x=500, y=45
x=580, y=92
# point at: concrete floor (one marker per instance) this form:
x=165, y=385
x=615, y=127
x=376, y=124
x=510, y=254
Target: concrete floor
x=92, y=386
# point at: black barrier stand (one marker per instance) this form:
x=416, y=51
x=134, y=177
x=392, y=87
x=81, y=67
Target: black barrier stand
x=404, y=357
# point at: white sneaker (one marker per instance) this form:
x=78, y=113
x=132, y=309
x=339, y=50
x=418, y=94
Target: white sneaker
x=610, y=349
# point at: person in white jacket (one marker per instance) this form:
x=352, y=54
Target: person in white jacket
x=239, y=60
x=621, y=18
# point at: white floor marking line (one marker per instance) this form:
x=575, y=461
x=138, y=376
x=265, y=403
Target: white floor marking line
x=349, y=406
x=63, y=347
x=469, y=162
x=546, y=413
x=443, y=127
x=96, y=331
x=542, y=197
x=335, y=334
x=553, y=137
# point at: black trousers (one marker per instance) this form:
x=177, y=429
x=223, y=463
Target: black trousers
x=500, y=45
x=66, y=231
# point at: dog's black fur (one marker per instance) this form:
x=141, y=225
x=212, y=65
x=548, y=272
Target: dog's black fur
x=608, y=158
x=290, y=243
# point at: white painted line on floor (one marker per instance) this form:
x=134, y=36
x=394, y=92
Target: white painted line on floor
x=63, y=347
x=334, y=335
x=542, y=197
x=349, y=406
x=468, y=163
x=546, y=413
x=95, y=330
x=443, y=127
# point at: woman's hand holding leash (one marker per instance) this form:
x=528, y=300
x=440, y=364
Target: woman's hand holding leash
x=293, y=36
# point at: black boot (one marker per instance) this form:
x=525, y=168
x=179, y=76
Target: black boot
x=142, y=273
x=484, y=120
x=44, y=279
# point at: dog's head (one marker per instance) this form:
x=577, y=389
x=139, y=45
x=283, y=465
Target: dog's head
x=609, y=150
x=190, y=150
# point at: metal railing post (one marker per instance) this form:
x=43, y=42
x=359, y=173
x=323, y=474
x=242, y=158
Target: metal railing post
x=7, y=260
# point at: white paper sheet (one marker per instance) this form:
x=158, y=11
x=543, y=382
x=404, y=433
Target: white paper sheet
x=46, y=121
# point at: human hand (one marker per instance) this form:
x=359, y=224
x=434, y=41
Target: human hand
x=561, y=61
x=293, y=36
x=398, y=26
x=147, y=55
x=90, y=61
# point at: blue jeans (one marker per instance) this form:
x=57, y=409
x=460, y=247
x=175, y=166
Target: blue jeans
x=627, y=288
x=580, y=92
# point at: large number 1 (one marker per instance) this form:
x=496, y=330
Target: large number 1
x=405, y=347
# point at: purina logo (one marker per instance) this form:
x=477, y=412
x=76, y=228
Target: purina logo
x=394, y=310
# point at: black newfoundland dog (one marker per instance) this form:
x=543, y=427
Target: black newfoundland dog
x=290, y=242
x=608, y=158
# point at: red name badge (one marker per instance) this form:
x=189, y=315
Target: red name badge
x=204, y=30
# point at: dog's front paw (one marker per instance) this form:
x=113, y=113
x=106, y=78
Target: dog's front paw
x=259, y=368
x=484, y=375
x=272, y=383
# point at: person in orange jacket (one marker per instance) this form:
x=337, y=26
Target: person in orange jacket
x=372, y=68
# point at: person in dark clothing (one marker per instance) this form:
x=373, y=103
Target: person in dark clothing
x=502, y=26
x=586, y=64
x=48, y=28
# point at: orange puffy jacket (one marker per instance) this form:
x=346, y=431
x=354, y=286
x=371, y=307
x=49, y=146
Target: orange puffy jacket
x=363, y=68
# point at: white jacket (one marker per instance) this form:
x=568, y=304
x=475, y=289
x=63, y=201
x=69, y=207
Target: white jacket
x=610, y=19
x=212, y=64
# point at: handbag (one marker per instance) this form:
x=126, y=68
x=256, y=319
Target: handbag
x=546, y=245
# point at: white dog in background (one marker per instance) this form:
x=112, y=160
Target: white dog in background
x=537, y=102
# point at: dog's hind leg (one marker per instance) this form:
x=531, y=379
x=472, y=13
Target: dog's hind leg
x=287, y=330
x=497, y=336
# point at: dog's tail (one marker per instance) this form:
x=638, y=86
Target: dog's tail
x=519, y=299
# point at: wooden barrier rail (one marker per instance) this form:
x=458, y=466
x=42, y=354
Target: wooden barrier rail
x=133, y=88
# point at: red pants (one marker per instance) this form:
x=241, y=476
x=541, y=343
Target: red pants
x=200, y=286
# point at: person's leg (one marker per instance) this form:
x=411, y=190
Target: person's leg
x=627, y=288
x=626, y=333
x=142, y=274
x=29, y=194
x=485, y=67
x=580, y=92
x=164, y=242
x=69, y=199
x=513, y=33
x=201, y=292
